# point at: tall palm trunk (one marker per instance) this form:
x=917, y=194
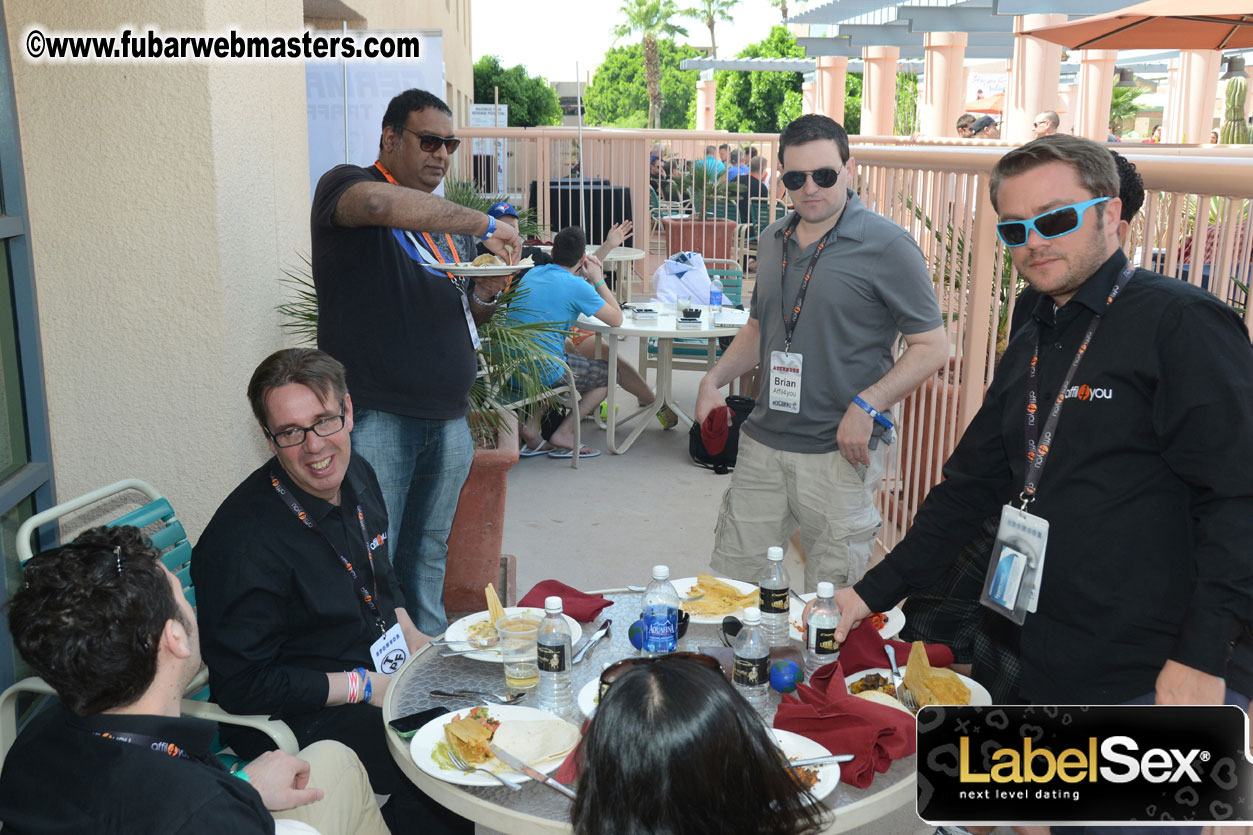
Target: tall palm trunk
x=652, y=77
x=713, y=42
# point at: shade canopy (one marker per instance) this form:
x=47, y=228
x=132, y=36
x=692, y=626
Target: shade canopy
x=991, y=104
x=1159, y=24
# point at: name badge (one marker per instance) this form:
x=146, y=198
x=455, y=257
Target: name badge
x=390, y=651
x=785, y=381
x=1016, y=566
x=474, y=329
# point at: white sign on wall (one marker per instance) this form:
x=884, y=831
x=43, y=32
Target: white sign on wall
x=347, y=99
x=490, y=116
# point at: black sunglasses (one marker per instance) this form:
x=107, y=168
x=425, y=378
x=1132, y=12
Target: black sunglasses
x=823, y=178
x=618, y=669
x=430, y=143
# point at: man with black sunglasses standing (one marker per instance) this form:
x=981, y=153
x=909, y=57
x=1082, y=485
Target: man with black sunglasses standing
x=836, y=285
x=1120, y=416
x=407, y=332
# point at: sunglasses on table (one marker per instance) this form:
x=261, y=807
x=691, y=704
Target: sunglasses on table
x=430, y=142
x=822, y=177
x=618, y=669
x=1052, y=224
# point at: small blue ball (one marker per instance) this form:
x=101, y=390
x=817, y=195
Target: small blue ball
x=785, y=675
x=635, y=633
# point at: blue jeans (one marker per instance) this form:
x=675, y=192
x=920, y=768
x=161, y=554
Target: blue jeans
x=421, y=466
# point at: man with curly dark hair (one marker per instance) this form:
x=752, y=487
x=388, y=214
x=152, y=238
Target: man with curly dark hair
x=106, y=624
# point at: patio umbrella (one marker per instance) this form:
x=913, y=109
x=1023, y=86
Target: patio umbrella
x=991, y=104
x=1159, y=24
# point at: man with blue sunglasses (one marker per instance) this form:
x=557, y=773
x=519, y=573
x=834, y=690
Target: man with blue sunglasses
x=1145, y=478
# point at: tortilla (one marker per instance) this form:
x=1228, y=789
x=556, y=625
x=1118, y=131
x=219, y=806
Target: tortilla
x=719, y=598
x=487, y=260
x=879, y=697
x=931, y=686
x=537, y=741
x=470, y=739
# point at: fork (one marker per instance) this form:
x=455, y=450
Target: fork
x=477, y=694
x=464, y=766
x=898, y=681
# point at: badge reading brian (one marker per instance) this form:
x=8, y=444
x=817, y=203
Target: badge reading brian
x=785, y=381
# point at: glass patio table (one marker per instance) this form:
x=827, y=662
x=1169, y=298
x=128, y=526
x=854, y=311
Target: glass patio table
x=538, y=809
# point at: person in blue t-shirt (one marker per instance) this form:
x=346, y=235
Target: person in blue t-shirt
x=559, y=292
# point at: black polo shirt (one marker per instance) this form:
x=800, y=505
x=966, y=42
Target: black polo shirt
x=60, y=777
x=276, y=607
x=1148, y=489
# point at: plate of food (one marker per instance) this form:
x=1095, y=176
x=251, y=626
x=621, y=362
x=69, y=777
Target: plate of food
x=721, y=597
x=589, y=697
x=889, y=623
x=935, y=686
x=486, y=265
x=538, y=738
x=482, y=625
x=821, y=780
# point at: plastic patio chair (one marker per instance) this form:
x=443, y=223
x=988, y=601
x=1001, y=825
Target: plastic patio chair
x=567, y=390
x=157, y=519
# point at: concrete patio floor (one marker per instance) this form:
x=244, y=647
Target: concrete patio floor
x=608, y=522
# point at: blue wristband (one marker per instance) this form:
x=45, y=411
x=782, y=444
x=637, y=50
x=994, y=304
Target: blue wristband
x=491, y=228
x=879, y=418
x=367, y=689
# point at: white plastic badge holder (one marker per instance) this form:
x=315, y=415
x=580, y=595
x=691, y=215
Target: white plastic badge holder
x=1016, y=567
x=785, y=381
x=390, y=651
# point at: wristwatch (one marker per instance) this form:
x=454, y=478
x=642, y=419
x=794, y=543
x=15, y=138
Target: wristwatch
x=491, y=228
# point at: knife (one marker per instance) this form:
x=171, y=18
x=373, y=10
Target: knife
x=596, y=636
x=825, y=759
x=535, y=774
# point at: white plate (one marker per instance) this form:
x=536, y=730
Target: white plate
x=684, y=585
x=979, y=695
x=895, y=622
x=466, y=269
x=424, y=741
x=460, y=631
x=797, y=747
x=587, y=697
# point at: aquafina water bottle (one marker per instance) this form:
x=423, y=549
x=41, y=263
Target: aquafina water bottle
x=661, y=613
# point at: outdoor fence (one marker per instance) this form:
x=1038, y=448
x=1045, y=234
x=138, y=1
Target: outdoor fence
x=1196, y=225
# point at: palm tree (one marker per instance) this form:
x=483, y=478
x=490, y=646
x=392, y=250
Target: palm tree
x=781, y=5
x=651, y=18
x=709, y=12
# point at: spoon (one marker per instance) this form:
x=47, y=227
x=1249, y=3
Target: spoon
x=482, y=643
x=684, y=599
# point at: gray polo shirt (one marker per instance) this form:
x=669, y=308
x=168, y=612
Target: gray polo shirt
x=871, y=283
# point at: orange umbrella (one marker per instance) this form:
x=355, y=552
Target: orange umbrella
x=1159, y=24
x=991, y=104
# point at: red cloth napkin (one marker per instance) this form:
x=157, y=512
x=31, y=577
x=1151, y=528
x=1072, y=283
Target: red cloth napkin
x=863, y=650
x=568, y=772
x=713, y=432
x=824, y=711
x=582, y=607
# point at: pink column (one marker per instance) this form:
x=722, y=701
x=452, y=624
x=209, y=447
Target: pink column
x=1096, y=90
x=1067, y=104
x=944, y=87
x=809, y=97
x=1198, y=86
x=706, y=104
x=878, y=91
x=832, y=78
x=1033, y=82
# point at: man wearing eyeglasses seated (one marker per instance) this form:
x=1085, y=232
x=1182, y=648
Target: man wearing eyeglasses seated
x=300, y=615
x=836, y=286
x=1120, y=415
x=407, y=333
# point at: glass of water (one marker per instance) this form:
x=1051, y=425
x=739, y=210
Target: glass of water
x=517, y=649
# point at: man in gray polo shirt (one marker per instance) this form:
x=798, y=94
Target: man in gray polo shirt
x=836, y=284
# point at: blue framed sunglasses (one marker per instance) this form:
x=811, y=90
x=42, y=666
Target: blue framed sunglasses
x=1051, y=224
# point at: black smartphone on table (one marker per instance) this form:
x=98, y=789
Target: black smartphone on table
x=407, y=726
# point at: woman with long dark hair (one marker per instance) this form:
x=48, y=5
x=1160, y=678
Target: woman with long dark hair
x=674, y=750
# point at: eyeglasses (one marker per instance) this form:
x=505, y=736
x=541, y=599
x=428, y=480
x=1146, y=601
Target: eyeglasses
x=296, y=435
x=618, y=669
x=823, y=178
x=1052, y=224
x=430, y=142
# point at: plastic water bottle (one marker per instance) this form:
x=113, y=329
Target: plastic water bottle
x=556, y=694
x=661, y=613
x=775, y=607
x=820, y=646
x=751, y=673
x=715, y=297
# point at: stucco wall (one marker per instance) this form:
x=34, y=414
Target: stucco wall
x=164, y=200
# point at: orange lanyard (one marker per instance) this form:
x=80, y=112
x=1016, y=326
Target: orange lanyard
x=430, y=242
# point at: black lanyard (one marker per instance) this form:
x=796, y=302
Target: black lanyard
x=789, y=322
x=1040, y=442
x=152, y=743
x=366, y=597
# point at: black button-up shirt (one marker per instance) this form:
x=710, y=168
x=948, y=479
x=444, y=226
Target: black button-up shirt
x=276, y=607
x=61, y=777
x=1148, y=489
